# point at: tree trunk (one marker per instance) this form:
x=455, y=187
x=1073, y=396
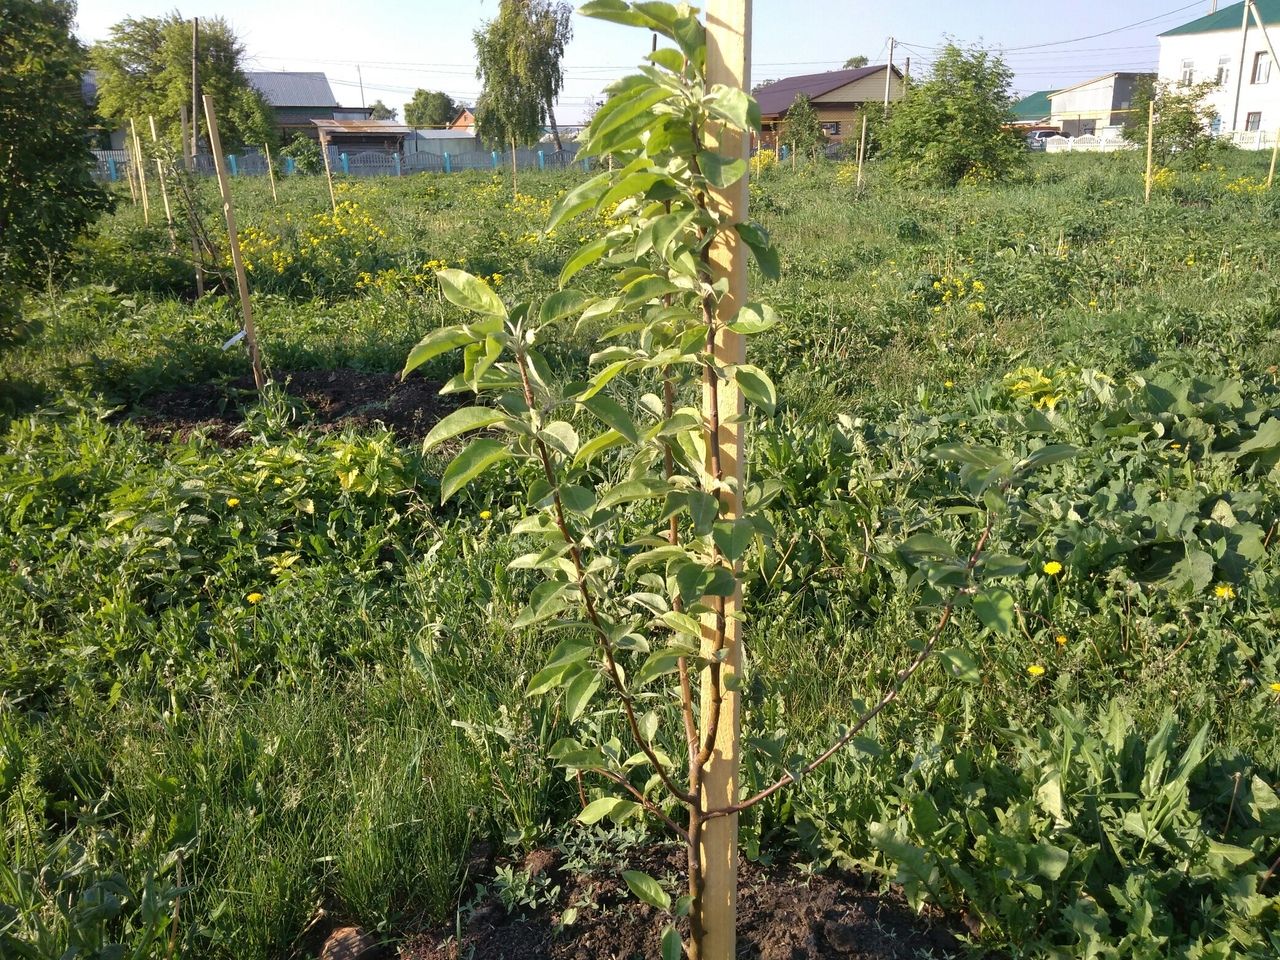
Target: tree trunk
x=555, y=131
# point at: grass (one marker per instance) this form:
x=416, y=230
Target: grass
x=271, y=759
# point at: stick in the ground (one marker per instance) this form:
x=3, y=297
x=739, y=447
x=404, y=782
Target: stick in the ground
x=164, y=190
x=142, y=172
x=266, y=148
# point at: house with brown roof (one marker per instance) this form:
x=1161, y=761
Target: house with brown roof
x=837, y=96
x=465, y=120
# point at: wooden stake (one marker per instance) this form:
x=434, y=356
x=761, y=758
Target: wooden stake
x=195, y=92
x=729, y=63
x=242, y=281
x=142, y=172
x=1275, y=152
x=164, y=190
x=328, y=172
x=1151, y=144
x=187, y=159
x=131, y=172
x=862, y=147
x=515, y=187
x=793, y=156
x=271, y=173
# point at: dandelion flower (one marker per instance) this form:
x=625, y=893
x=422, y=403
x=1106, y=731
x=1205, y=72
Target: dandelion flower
x=949, y=384
x=1224, y=591
x=485, y=514
x=1275, y=688
x=1052, y=568
x=1060, y=640
x=233, y=502
x=254, y=598
x=1036, y=670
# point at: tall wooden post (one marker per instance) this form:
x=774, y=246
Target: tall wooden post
x=728, y=62
x=1151, y=144
x=195, y=92
x=228, y=211
x=187, y=160
x=515, y=186
x=328, y=170
x=888, y=76
x=862, y=147
x=1275, y=152
x=271, y=173
x=142, y=171
x=190, y=162
x=164, y=190
x=1244, y=46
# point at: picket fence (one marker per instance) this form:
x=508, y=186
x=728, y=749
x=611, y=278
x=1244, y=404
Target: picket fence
x=1244, y=139
x=113, y=165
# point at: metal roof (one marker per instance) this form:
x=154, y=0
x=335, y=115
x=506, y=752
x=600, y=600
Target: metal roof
x=1113, y=76
x=289, y=89
x=443, y=134
x=1034, y=106
x=776, y=98
x=1228, y=18
x=365, y=127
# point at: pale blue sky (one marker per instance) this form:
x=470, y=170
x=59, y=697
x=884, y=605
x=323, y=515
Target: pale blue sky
x=401, y=45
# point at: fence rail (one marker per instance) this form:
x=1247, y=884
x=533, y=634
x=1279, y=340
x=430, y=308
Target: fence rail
x=1088, y=143
x=113, y=165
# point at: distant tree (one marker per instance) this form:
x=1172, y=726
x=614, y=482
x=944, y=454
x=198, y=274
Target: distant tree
x=305, y=152
x=382, y=112
x=1184, y=121
x=801, y=128
x=430, y=108
x=952, y=126
x=46, y=194
x=853, y=63
x=145, y=69
x=518, y=59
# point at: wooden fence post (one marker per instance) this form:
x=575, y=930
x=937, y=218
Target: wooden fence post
x=728, y=62
x=164, y=190
x=242, y=281
x=1275, y=152
x=515, y=186
x=1151, y=143
x=862, y=147
x=266, y=148
x=142, y=172
x=328, y=170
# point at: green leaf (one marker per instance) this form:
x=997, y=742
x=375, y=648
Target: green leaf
x=734, y=106
x=672, y=948
x=614, y=415
x=597, y=810
x=597, y=445
x=704, y=509
x=578, y=200
x=561, y=304
x=757, y=240
x=470, y=463
x=548, y=678
x=733, y=538
x=960, y=664
x=668, y=59
x=435, y=343
x=579, y=693
x=470, y=293
x=1051, y=454
x=754, y=318
x=617, y=118
x=651, y=16
x=721, y=171
x=994, y=608
x=757, y=387
x=632, y=490
x=460, y=422
x=647, y=889
x=585, y=255
x=630, y=186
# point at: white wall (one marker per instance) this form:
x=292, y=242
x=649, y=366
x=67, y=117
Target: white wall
x=1204, y=50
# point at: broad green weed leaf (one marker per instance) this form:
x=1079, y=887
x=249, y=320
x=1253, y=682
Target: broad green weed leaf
x=995, y=609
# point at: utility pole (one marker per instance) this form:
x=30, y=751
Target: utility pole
x=195, y=91
x=906, y=72
x=888, y=75
x=1244, y=45
x=360, y=77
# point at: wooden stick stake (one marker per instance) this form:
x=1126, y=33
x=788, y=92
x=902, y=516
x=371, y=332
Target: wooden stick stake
x=793, y=156
x=164, y=190
x=242, y=281
x=328, y=171
x=1151, y=143
x=515, y=187
x=189, y=160
x=728, y=62
x=130, y=172
x=142, y=172
x=271, y=173
x=1275, y=152
x=862, y=148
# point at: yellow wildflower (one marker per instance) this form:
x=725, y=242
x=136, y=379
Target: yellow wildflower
x=254, y=598
x=1036, y=670
x=1224, y=591
x=950, y=384
x=1060, y=640
x=486, y=514
x=233, y=502
x=1052, y=568
x=1275, y=688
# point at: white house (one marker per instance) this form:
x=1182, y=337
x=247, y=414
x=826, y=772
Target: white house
x=1247, y=97
x=1096, y=107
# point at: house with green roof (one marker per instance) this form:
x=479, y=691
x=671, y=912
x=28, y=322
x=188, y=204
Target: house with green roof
x=1032, y=110
x=1230, y=48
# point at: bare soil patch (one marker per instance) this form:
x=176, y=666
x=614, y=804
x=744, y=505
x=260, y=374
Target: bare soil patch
x=329, y=400
x=783, y=914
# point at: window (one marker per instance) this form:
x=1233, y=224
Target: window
x=1253, y=121
x=1215, y=125
x=831, y=128
x=1261, y=68
x=1224, y=71
x=1188, y=72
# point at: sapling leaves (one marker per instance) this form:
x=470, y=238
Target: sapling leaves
x=471, y=463
x=470, y=293
x=647, y=889
x=460, y=422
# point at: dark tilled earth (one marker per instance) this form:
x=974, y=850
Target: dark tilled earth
x=783, y=914
x=333, y=399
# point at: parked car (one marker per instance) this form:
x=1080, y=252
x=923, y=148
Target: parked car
x=1036, y=138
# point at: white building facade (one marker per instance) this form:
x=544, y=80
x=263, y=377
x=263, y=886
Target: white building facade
x=1247, y=93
